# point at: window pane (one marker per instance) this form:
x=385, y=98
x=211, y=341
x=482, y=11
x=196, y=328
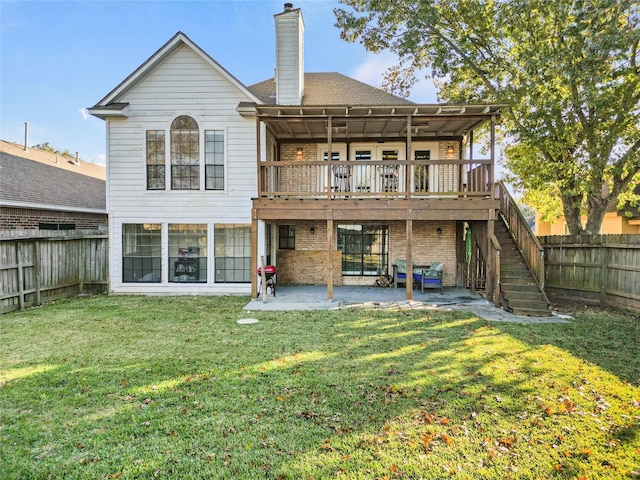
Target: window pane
x=214, y=159
x=232, y=253
x=185, y=152
x=188, y=253
x=141, y=253
x=287, y=237
x=155, y=160
x=364, y=249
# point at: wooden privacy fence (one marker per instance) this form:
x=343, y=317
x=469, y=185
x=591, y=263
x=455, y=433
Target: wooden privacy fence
x=40, y=266
x=603, y=269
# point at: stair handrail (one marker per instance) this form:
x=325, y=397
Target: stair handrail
x=526, y=241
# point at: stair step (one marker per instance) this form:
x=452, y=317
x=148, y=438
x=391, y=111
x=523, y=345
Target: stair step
x=519, y=287
x=539, y=304
x=518, y=278
x=531, y=312
x=525, y=295
x=514, y=267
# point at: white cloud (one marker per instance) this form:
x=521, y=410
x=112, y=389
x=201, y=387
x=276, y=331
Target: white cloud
x=84, y=113
x=101, y=159
x=372, y=69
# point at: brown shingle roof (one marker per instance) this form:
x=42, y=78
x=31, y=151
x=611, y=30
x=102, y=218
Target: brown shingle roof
x=331, y=88
x=27, y=181
x=58, y=161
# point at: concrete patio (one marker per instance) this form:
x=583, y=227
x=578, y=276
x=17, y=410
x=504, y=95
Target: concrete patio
x=314, y=297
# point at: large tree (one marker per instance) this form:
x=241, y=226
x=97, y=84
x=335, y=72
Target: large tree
x=568, y=69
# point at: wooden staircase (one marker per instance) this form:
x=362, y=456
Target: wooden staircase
x=521, y=294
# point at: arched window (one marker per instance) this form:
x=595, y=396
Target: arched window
x=185, y=154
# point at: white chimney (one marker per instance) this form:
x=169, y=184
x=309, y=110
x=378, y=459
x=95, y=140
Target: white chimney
x=289, y=56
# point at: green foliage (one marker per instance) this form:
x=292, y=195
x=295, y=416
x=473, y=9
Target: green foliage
x=172, y=387
x=568, y=69
x=46, y=147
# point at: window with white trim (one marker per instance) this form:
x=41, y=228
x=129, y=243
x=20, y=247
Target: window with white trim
x=156, y=160
x=141, y=252
x=185, y=154
x=214, y=159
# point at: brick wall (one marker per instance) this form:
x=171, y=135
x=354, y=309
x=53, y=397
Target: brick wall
x=300, y=179
x=28, y=219
x=428, y=247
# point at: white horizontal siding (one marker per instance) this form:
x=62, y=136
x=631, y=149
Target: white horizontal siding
x=184, y=84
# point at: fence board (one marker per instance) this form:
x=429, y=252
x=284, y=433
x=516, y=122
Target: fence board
x=40, y=266
x=603, y=269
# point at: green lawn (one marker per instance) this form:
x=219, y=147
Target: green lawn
x=156, y=387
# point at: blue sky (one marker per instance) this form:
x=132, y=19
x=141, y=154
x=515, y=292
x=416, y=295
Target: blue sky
x=58, y=57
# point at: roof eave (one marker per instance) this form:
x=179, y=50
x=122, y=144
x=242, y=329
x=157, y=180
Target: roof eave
x=115, y=110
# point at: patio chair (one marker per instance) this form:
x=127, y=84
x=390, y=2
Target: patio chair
x=399, y=272
x=430, y=278
x=342, y=174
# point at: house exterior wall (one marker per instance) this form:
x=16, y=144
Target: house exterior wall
x=29, y=219
x=428, y=246
x=183, y=84
x=612, y=224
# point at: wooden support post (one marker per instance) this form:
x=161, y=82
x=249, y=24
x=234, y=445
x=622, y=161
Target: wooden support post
x=330, y=255
x=20, y=275
x=491, y=265
x=409, y=225
x=81, y=263
x=260, y=186
x=36, y=270
x=329, y=155
x=604, y=274
x=492, y=167
x=254, y=255
x=263, y=281
x=410, y=161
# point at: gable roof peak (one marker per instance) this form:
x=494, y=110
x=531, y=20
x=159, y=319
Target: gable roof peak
x=175, y=42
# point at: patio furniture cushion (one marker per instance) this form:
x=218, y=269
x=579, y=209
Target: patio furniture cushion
x=399, y=272
x=432, y=277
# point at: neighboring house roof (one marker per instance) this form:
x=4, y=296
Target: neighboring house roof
x=59, y=161
x=331, y=88
x=109, y=105
x=31, y=179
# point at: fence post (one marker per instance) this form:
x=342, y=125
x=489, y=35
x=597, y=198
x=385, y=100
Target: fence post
x=81, y=264
x=20, y=275
x=604, y=273
x=36, y=270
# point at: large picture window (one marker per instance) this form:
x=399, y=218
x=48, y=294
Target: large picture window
x=232, y=253
x=214, y=159
x=155, y=160
x=141, y=253
x=185, y=154
x=365, y=249
x=188, y=253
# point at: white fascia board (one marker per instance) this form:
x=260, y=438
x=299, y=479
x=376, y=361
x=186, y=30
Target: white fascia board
x=104, y=112
x=46, y=206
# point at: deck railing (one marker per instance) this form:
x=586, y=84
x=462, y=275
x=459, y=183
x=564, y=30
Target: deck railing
x=358, y=179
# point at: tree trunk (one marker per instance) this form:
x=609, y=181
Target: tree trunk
x=572, y=214
x=598, y=208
